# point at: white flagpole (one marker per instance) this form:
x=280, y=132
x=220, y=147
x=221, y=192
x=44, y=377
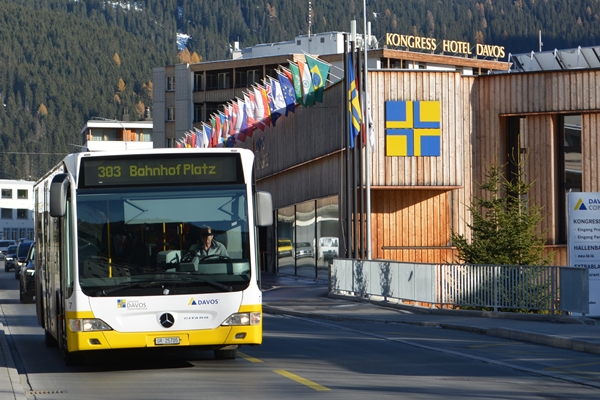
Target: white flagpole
x=367, y=113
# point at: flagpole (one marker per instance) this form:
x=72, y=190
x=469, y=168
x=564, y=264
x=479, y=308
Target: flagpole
x=367, y=113
x=346, y=142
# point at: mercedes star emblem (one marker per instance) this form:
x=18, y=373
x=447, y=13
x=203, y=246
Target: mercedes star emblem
x=167, y=320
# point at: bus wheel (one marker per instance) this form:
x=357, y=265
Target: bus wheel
x=73, y=359
x=49, y=340
x=226, y=354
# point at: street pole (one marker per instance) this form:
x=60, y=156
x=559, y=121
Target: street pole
x=368, y=125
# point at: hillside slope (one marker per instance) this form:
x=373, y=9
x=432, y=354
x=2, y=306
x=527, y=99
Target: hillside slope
x=66, y=61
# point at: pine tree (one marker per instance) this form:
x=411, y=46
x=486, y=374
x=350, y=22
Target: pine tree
x=505, y=224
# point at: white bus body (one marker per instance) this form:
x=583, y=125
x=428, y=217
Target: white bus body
x=113, y=265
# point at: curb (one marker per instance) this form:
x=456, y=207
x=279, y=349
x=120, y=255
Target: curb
x=506, y=333
x=12, y=375
x=566, y=319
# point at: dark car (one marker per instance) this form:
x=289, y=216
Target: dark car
x=10, y=258
x=21, y=258
x=4, y=245
x=27, y=279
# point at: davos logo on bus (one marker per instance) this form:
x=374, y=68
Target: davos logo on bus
x=131, y=304
x=206, y=302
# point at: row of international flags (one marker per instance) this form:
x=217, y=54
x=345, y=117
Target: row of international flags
x=303, y=83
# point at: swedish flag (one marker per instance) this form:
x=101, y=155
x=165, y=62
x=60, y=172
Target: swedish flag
x=353, y=103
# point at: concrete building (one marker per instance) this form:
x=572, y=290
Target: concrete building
x=16, y=209
x=102, y=134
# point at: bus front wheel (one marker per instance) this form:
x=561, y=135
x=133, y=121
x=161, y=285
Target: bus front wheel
x=73, y=359
x=226, y=354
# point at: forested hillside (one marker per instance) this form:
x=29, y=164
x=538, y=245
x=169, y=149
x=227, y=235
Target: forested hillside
x=63, y=62
x=213, y=24
x=66, y=61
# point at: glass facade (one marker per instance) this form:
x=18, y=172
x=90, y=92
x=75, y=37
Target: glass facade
x=308, y=238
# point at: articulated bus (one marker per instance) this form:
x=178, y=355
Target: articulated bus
x=115, y=261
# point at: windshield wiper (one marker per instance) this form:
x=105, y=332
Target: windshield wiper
x=106, y=292
x=226, y=288
x=187, y=275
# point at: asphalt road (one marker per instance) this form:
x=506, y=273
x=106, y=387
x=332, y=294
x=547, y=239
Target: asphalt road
x=303, y=358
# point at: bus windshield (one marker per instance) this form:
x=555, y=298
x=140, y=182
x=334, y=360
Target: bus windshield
x=148, y=241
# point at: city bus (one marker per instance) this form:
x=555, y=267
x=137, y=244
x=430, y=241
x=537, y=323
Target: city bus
x=114, y=269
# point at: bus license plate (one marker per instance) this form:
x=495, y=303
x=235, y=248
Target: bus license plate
x=166, y=340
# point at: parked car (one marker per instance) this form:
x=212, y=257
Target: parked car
x=10, y=259
x=284, y=248
x=4, y=245
x=22, y=252
x=27, y=279
x=304, y=249
x=328, y=248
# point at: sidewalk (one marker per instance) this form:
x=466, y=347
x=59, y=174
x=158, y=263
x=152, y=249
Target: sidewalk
x=567, y=332
x=10, y=383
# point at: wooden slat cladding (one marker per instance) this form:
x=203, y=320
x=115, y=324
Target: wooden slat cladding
x=538, y=153
x=591, y=148
x=305, y=182
x=539, y=98
x=305, y=135
x=411, y=225
x=448, y=88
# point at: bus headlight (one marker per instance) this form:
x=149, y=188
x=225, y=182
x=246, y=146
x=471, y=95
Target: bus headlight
x=252, y=318
x=88, y=325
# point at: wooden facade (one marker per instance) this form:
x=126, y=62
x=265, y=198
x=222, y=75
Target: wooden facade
x=417, y=202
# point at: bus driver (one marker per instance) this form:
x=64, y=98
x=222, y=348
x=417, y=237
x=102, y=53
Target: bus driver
x=207, y=245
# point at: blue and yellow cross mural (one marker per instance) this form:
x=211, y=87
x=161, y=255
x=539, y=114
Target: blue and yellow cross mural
x=412, y=128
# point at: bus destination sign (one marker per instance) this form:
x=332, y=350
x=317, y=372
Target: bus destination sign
x=158, y=170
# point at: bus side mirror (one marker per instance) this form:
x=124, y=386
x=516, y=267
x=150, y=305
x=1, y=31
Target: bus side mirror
x=58, y=195
x=264, y=208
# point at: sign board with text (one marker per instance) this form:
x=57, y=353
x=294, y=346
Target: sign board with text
x=584, y=240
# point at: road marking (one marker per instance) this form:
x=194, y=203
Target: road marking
x=493, y=345
x=571, y=366
x=249, y=358
x=300, y=379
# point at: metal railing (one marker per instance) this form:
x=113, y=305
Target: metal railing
x=495, y=287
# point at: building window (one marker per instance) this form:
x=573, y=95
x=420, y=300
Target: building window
x=110, y=135
x=198, y=115
x=170, y=113
x=6, y=213
x=211, y=108
x=322, y=40
x=271, y=70
x=224, y=80
x=7, y=193
x=515, y=131
x=298, y=42
x=212, y=81
x=22, y=213
x=253, y=77
x=22, y=194
x=570, y=167
x=198, y=82
x=170, y=83
x=145, y=135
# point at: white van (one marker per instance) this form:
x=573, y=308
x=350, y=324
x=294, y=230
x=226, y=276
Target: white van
x=328, y=247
